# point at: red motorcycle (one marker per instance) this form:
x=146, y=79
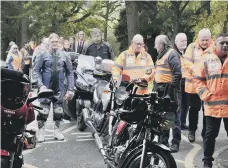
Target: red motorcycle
x=17, y=111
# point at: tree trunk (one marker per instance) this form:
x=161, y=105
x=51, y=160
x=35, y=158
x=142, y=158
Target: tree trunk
x=132, y=19
x=106, y=21
x=225, y=22
x=24, y=31
x=176, y=18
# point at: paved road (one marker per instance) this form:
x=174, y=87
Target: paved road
x=79, y=150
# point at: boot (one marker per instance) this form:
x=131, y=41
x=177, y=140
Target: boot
x=41, y=133
x=174, y=148
x=57, y=134
x=191, y=136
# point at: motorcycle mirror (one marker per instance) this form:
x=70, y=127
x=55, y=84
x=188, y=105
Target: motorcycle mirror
x=148, y=71
x=130, y=87
x=47, y=93
x=98, y=60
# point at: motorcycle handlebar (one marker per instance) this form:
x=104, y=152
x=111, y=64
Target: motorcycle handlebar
x=37, y=107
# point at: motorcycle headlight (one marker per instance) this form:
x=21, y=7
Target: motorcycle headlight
x=121, y=93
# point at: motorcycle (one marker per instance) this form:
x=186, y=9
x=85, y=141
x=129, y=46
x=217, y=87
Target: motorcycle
x=147, y=113
x=92, y=89
x=17, y=111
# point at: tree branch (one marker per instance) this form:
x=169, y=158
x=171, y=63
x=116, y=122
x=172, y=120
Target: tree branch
x=185, y=5
x=199, y=10
x=81, y=19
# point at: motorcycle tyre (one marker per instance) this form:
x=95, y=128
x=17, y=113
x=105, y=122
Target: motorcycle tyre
x=5, y=162
x=134, y=160
x=81, y=123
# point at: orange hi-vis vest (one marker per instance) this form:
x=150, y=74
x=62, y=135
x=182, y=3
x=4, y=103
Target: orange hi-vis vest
x=211, y=81
x=190, y=61
x=17, y=61
x=183, y=70
x=132, y=67
x=163, y=73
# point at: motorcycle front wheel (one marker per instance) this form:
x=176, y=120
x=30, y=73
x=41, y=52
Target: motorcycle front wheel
x=155, y=158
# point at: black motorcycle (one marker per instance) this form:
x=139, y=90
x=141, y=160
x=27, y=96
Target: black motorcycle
x=147, y=112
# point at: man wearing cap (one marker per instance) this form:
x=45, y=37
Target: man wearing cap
x=194, y=54
x=132, y=63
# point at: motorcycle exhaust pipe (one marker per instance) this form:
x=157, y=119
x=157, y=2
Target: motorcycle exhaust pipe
x=98, y=140
x=110, y=125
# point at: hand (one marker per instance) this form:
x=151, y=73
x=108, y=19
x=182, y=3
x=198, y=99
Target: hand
x=69, y=95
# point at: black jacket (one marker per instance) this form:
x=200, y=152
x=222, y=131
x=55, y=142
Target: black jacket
x=104, y=50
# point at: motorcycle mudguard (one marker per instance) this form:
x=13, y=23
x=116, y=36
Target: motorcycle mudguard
x=4, y=153
x=128, y=153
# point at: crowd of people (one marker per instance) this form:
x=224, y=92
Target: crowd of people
x=194, y=76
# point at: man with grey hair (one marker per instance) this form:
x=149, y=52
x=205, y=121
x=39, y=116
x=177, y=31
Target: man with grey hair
x=193, y=55
x=98, y=47
x=180, y=46
x=167, y=83
x=53, y=69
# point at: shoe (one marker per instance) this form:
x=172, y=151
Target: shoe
x=58, y=135
x=174, y=148
x=41, y=135
x=184, y=127
x=207, y=164
x=191, y=136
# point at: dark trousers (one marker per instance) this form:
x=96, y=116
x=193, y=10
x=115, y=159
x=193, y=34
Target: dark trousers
x=177, y=130
x=184, y=106
x=176, y=134
x=26, y=69
x=212, y=130
x=195, y=105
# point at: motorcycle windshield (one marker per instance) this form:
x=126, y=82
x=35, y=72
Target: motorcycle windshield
x=86, y=62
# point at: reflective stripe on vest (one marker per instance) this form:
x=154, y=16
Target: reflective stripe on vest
x=163, y=73
x=132, y=69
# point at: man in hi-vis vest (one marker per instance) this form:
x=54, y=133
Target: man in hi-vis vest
x=167, y=82
x=14, y=59
x=193, y=55
x=132, y=63
x=210, y=81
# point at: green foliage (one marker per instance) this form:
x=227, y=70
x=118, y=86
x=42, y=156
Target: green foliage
x=215, y=21
x=64, y=18
x=10, y=27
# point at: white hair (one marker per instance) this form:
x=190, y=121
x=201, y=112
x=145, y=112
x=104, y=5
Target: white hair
x=138, y=38
x=13, y=46
x=204, y=32
x=179, y=35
